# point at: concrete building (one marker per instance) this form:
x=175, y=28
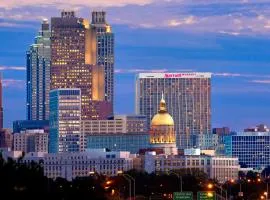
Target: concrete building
x=120, y=133
x=38, y=75
x=104, y=46
x=188, y=97
x=82, y=164
x=31, y=141
x=23, y=125
x=73, y=57
x=65, y=120
x=221, y=131
x=6, y=139
x=252, y=148
x=219, y=168
x=116, y=124
x=258, y=128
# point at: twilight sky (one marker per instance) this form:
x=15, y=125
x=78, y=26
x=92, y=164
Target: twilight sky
x=229, y=38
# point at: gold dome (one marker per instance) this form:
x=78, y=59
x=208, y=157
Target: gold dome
x=163, y=117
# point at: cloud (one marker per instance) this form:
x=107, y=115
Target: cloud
x=103, y=3
x=229, y=33
x=11, y=24
x=227, y=74
x=126, y=71
x=230, y=17
x=13, y=83
x=261, y=81
x=135, y=71
x=232, y=75
x=16, y=68
x=186, y=21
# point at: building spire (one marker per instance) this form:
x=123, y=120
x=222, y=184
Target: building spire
x=162, y=104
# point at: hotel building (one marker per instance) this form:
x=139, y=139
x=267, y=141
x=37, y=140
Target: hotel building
x=188, y=98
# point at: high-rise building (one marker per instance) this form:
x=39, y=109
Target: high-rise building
x=38, y=75
x=1, y=105
x=104, y=47
x=31, y=141
x=188, y=97
x=73, y=57
x=65, y=120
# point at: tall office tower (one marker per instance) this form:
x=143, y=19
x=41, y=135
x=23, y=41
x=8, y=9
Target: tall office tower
x=104, y=51
x=188, y=97
x=65, y=120
x=73, y=61
x=1, y=105
x=38, y=75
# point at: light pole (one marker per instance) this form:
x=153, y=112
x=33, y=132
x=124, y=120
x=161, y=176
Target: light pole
x=210, y=186
x=129, y=179
x=180, y=180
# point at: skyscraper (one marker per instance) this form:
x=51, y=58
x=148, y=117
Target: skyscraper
x=65, y=120
x=38, y=75
x=104, y=51
x=188, y=97
x=73, y=45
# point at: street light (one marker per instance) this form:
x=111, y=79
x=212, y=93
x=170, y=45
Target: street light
x=129, y=179
x=180, y=180
x=211, y=186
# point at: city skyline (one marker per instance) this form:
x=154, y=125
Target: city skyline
x=239, y=66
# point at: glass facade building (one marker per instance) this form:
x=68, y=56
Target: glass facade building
x=251, y=148
x=22, y=125
x=188, y=98
x=131, y=142
x=38, y=75
x=65, y=120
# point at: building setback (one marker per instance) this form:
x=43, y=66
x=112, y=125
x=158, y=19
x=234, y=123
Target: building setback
x=73, y=46
x=188, y=97
x=38, y=75
x=104, y=51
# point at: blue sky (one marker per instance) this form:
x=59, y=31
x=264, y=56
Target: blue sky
x=229, y=38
